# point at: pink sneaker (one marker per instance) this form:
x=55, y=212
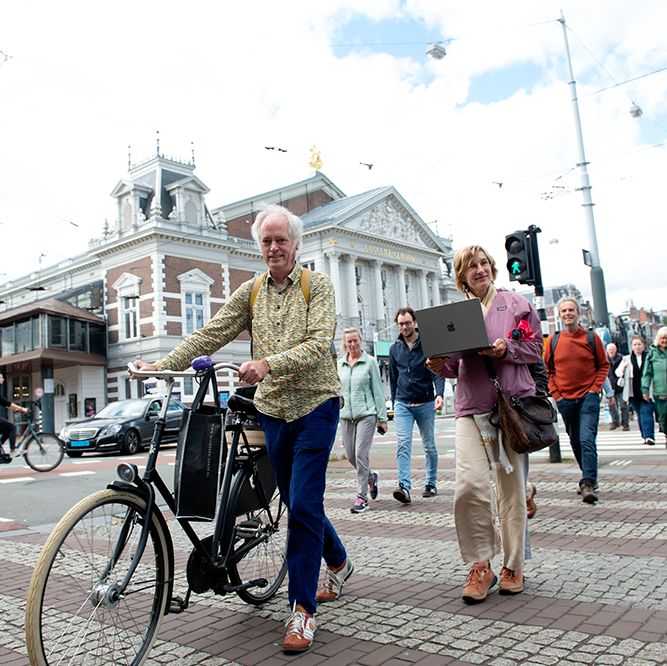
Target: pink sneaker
x=360, y=505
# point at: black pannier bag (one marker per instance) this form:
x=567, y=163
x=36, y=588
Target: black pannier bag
x=200, y=455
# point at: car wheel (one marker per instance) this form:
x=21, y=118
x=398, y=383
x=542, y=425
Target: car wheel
x=131, y=442
x=74, y=454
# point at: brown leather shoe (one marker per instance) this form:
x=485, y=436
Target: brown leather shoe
x=300, y=631
x=480, y=579
x=531, y=507
x=511, y=582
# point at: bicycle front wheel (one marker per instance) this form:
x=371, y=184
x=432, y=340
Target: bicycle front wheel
x=75, y=612
x=267, y=530
x=44, y=451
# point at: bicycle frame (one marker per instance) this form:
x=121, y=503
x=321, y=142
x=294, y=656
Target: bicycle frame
x=151, y=481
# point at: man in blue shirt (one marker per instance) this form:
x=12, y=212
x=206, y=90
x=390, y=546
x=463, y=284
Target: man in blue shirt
x=415, y=400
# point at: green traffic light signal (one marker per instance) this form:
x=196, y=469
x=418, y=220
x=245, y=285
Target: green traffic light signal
x=516, y=268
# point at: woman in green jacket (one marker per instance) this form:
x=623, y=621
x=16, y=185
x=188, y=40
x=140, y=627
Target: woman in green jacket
x=655, y=372
x=364, y=410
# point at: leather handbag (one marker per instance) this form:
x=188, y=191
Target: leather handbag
x=527, y=423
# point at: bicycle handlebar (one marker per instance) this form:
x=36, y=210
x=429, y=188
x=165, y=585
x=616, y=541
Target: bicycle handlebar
x=165, y=374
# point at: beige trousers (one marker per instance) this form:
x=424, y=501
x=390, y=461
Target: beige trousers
x=478, y=536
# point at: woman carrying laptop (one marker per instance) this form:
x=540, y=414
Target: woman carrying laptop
x=513, y=328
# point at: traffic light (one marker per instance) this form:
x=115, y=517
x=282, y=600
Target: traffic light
x=520, y=257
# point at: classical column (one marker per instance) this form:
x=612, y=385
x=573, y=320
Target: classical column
x=334, y=273
x=402, y=299
x=378, y=296
x=423, y=289
x=350, y=311
x=435, y=288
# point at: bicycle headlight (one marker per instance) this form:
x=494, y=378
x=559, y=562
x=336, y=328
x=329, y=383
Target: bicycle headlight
x=127, y=472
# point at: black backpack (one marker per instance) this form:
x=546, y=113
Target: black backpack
x=590, y=337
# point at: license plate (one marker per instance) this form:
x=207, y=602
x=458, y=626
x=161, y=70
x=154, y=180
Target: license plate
x=83, y=442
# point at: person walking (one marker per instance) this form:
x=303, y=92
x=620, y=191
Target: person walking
x=364, y=409
x=578, y=366
x=297, y=397
x=416, y=395
x=482, y=459
x=654, y=378
x=618, y=408
x=630, y=371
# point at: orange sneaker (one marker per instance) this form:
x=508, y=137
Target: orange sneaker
x=511, y=582
x=332, y=587
x=480, y=579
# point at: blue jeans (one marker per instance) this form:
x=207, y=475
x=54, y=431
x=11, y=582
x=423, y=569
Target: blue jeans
x=405, y=417
x=643, y=409
x=581, y=417
x=299, y=452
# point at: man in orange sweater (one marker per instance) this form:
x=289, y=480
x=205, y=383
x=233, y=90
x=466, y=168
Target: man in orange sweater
x=577, y=371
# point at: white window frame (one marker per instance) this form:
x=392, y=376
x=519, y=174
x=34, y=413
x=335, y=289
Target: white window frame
x=195, y=282
x=127, y=296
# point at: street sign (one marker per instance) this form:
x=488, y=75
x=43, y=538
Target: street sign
x=39, y=392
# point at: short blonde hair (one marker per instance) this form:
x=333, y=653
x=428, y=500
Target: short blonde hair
x=661, y=331
x=462, y=261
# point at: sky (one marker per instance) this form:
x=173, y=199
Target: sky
x=480, y=143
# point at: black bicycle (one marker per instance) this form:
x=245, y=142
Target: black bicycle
x=43, y=451
x=105, y=576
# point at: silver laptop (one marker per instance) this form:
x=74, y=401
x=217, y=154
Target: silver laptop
x=453, y=329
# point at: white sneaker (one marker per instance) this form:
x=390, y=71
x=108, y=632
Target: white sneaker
x=333, y=583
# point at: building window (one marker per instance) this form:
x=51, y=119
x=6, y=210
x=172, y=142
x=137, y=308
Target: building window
x=195, y=299
x=188, y=386
x=129, y=316
x=357, y=274
x=57, y=336
x=193, y=310
x=309, y=264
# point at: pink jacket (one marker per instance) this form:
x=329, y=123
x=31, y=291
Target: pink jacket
x=475, y=394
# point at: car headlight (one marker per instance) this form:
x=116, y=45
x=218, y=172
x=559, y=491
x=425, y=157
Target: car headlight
x=111, y=430
x=63, y=433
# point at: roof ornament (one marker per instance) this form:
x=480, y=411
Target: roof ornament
x=157, y=143
x=315, y=158
x=192, y=148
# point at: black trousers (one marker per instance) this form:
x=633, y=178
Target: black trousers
x=8, y=432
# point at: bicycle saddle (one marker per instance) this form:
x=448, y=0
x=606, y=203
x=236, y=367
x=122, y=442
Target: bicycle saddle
x=238, y=403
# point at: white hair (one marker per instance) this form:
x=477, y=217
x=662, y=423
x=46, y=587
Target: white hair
x=568, y=299
x=295, y=225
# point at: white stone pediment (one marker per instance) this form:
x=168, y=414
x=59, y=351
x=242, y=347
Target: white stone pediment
x=195, y=276
x=390, y=220
x=127, y=282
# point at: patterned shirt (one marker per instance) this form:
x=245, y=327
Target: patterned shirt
x=293, y=336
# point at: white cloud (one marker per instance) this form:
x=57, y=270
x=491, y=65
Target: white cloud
x=86, y=80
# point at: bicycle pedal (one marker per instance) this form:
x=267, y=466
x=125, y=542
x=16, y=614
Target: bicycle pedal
x=178, y=604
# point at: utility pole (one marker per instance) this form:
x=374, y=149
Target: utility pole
x=597, y=276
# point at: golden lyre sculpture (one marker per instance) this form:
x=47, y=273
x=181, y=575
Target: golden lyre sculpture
x=315, y=158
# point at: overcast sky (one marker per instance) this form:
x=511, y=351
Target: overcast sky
x=82, y=81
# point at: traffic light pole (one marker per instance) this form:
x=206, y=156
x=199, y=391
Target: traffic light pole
x=554, y=450
x=598, y=290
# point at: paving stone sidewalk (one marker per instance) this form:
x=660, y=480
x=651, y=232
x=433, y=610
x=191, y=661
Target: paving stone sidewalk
x=596, y=590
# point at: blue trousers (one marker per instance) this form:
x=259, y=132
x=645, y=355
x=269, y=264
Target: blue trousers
x=581, y=417
x=299, y=452
x=405, y=417
x=643, y=409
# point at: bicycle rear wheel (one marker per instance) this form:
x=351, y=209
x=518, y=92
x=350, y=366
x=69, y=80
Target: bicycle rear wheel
x=74, y=613
x=44, y=451
x=268, y=558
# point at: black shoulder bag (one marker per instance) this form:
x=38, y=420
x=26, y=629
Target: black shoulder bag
x=199, y=455
x=528, y=423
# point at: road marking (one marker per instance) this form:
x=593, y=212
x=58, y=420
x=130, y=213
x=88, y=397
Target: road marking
x=6, y=520
x=90, y=461
x=18, y=479
x=84, y=472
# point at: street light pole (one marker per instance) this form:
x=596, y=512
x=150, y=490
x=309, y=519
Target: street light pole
x=600, y=312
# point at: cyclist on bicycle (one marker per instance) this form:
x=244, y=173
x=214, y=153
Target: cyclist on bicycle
x=7, y=428
x=297, y=397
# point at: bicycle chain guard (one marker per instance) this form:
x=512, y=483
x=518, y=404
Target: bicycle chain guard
x=203, y=576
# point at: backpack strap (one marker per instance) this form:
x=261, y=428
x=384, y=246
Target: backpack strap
x=554, y=342
x=590, y=338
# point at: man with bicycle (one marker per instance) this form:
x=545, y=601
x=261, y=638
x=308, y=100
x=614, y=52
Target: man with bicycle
x=7, y=428
x=297, y=397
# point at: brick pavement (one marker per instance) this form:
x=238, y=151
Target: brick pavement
x=596, y=590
